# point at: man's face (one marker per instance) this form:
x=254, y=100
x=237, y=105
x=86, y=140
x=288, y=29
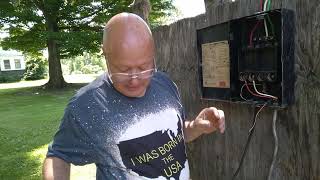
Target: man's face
x=132, y=61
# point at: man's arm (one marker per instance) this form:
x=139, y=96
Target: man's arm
x=208, y=121
x=55, y=169
x=189, y=132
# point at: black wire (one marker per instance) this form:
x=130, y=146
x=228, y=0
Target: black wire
x=246, y=146
x=256, y=110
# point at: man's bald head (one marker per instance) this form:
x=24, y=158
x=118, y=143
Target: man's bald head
x=125, y=30
x=129, y=49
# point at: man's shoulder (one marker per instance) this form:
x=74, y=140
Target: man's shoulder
x=162, y=77
x=164, y=80
x=91, y=90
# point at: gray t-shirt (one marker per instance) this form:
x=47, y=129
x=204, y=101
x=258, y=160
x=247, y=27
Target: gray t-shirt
x=127, y=138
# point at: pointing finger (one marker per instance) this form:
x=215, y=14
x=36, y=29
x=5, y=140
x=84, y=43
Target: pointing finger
x=221, y=121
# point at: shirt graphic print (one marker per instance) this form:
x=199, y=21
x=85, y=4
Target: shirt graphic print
x=152, y=146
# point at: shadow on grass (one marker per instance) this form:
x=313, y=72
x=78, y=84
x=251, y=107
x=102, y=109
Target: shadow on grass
x=23, y=165
x=22, y=153
x=29, y=118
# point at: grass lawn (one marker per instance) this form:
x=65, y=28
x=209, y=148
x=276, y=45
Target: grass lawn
x=29, y=117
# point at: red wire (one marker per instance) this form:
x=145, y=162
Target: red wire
x=256, y=26
x=251, y=34
x=261, y=5
x=254, y=94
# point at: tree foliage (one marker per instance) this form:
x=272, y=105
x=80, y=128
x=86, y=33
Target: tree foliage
x=85, y=64
x=66, y=27
x=79, y=22
x=35, y=68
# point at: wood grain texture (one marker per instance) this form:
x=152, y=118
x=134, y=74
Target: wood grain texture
x=217, y=156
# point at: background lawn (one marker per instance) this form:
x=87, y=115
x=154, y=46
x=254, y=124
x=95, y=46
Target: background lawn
x=29, y=117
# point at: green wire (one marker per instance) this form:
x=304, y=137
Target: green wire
x=269, y=5
x=272, y=27
x=268, y=18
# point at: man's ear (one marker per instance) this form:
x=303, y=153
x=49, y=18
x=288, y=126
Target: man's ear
x=102, y=50
x=104, y=53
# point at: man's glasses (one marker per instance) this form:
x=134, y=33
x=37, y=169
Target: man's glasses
x=126, y=77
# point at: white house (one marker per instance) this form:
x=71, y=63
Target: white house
x=12, y=65
x=11, y=60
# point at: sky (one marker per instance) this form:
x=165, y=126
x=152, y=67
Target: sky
x=190, y=8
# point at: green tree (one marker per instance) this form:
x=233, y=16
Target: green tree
x=85, y=64
x=35, y=68
x=66, y=27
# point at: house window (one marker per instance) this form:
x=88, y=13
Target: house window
x=6, y=64
x=17, y=64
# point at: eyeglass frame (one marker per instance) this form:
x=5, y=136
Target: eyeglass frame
x=132, y=75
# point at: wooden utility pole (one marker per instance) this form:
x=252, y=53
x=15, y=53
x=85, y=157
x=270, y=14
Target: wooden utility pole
x=217, y=156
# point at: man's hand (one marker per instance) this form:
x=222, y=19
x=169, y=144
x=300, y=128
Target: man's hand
x=207, y=121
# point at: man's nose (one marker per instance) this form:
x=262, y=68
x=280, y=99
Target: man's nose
x=134, y=80
x=134, y=76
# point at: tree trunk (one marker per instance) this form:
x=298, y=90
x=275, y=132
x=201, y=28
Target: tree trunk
x=56, y=79
x=142, y=8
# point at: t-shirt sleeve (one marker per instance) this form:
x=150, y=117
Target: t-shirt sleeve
x=71, y=143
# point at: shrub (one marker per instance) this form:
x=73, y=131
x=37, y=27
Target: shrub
x=35, y=68
x=91, y=69
x=9, y=79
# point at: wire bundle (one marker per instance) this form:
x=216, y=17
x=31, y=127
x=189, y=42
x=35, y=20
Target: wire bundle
x=257, y=110
x=264, y=6
x=267, y=5
x=255, y=92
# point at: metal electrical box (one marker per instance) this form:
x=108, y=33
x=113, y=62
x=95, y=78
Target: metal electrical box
x=247, y=59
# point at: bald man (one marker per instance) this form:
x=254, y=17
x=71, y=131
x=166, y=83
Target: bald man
x=129, y=121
